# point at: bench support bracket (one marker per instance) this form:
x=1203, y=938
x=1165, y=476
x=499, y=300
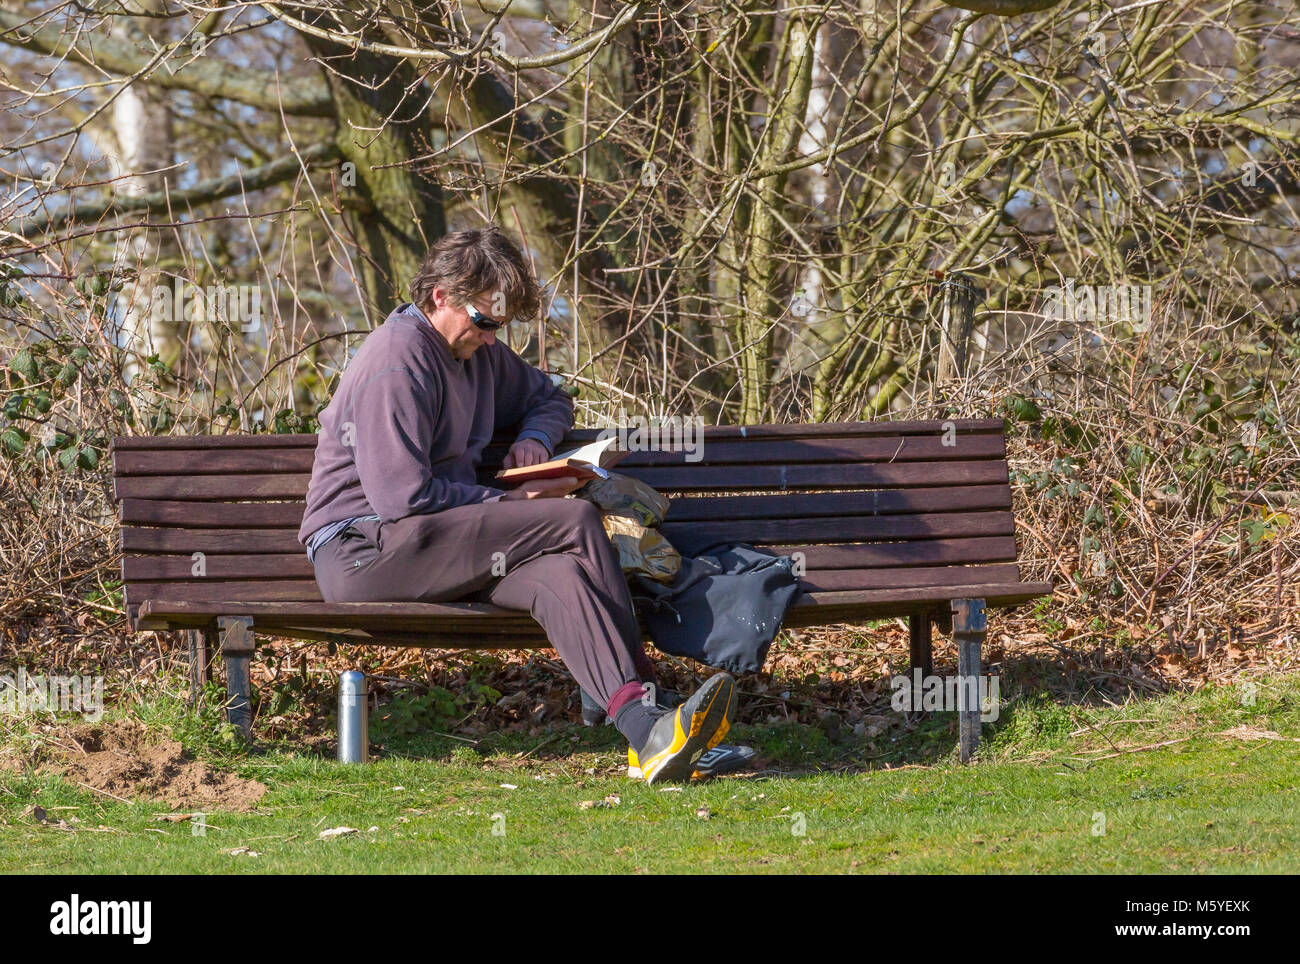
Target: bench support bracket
x=237, y=652
x=969, y=625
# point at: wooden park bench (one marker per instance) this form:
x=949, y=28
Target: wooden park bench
x=891, y=518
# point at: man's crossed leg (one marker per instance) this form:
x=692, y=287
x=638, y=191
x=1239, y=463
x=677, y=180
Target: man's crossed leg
x=552, y=558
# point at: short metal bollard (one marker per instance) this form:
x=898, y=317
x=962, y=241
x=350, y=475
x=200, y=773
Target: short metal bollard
x=354, y=744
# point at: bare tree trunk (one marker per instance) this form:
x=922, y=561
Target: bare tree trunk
x=141, y=124
x=394, y=211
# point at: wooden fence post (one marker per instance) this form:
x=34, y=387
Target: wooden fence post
x=957, y=324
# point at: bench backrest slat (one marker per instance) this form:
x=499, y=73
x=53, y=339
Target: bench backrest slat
x=187, y=486
x=733, y=452
x=259, y=515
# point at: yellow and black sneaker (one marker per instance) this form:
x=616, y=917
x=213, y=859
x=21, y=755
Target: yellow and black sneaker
x=716, y=761
x=681, y=736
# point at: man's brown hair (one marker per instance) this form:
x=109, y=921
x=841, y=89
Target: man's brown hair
x=465, y=263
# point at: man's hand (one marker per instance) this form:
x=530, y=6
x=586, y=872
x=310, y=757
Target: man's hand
x=527, y=451
x=545, y=488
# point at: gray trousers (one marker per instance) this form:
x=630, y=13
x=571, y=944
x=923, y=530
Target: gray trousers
x=550, y=557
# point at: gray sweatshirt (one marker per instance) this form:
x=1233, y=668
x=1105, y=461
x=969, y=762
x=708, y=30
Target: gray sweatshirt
x=406, y=427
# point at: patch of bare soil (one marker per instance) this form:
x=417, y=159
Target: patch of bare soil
x=121, y=758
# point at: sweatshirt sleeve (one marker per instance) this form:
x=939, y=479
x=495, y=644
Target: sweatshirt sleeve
x=527, y=397
x=394, y=418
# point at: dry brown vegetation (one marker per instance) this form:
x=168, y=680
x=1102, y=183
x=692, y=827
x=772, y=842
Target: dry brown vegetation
x=748, y=212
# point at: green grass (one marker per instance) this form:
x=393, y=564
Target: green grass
x=1207, y=804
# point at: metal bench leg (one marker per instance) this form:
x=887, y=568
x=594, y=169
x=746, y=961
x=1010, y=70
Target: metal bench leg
x=237, y=651
x=968, y=628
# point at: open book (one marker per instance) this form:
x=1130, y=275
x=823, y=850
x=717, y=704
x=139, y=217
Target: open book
x=585, y=462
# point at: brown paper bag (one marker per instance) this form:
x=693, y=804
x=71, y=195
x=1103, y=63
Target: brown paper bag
x=641, y=550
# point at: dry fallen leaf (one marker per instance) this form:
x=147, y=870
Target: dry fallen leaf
x=1245, y=732
x=336, y=832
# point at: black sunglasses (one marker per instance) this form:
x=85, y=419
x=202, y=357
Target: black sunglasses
x=481, y=321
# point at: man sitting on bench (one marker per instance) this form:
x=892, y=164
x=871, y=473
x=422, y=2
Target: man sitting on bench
x=394, y=512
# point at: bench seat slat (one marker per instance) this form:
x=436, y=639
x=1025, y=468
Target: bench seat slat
x=483, y=618
x=817, y=609
x=808, y=608
x=294, y=579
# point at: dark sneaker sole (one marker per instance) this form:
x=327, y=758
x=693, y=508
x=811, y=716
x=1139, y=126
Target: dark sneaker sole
x=697, y=723
x=718, y=761
x=723, y=758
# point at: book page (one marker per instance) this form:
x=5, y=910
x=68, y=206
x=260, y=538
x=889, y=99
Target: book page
x=590, y=452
